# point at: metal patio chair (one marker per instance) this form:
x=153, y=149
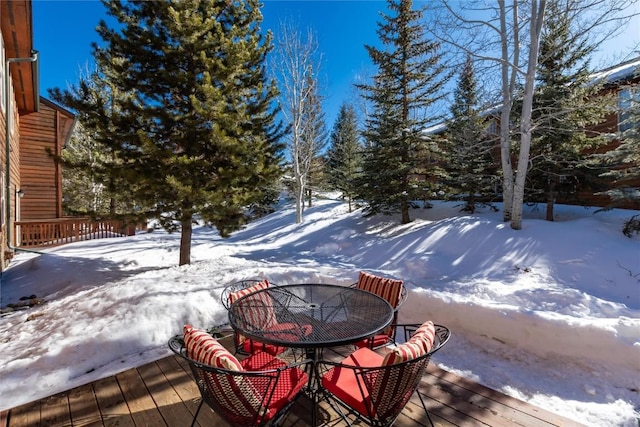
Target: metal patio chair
x=373, y=390
x=391, y=290
x=234, y=291
x=258, y=393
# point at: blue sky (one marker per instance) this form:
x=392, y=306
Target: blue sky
x=64, y=30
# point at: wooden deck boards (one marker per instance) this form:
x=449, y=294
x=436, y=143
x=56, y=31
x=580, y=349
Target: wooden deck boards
x=163, y=393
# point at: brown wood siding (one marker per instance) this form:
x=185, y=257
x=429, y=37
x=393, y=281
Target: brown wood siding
x=61, y=141
x=39, y=141
x=3, y=245
x=14, y=183
x=14, y=159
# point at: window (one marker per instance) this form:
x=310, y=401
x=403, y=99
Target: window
x=628, y=108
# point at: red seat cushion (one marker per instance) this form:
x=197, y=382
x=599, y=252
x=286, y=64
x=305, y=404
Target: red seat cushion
x=289, y=384
x=345, y=385
x=289, y=331
x=285, y=331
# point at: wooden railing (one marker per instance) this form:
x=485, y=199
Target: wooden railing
x=53, y=232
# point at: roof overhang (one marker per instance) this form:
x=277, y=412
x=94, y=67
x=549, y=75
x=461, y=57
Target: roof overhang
x=17, y=32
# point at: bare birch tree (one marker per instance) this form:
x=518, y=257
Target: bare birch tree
x=535, y=30
x=297, y=61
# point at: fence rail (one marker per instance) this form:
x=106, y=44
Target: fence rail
x=54, y=232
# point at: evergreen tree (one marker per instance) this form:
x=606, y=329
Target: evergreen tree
x=409, y=81
x=565, y=103
x=344, y=157
x=196, y=135
x=85, y=192
x=91, y=187
x=469, y=164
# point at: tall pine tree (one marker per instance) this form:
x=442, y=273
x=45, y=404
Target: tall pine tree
x=344, y=157
x=409, y=81
x=470, y=166
x=92, y=172
x=196, y=135
x=565, y=103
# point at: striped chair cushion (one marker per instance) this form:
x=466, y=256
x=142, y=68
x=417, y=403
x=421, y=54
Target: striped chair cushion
x=403, y=352
x=424, y=336
x=388, y=289
x=261, y=313
x=234, y=296
x=205, y=349
x=393, y=387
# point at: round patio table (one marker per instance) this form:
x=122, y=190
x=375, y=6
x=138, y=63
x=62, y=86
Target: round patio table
x=310, y=316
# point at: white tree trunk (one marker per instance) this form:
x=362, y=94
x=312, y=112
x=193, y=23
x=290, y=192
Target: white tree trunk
x=299, y=193
x=508, y=80
x=535, y=28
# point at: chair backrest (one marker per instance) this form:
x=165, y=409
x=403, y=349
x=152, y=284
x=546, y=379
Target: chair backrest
x=235, y=290
x=391, y=290
x=240, y=397
x=391, y=386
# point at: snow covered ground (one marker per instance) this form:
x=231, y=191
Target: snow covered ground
x=549, y=314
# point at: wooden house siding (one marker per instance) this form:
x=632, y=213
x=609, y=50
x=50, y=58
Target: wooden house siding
x=22, y=98
x=43, y=136
x=14, y=185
